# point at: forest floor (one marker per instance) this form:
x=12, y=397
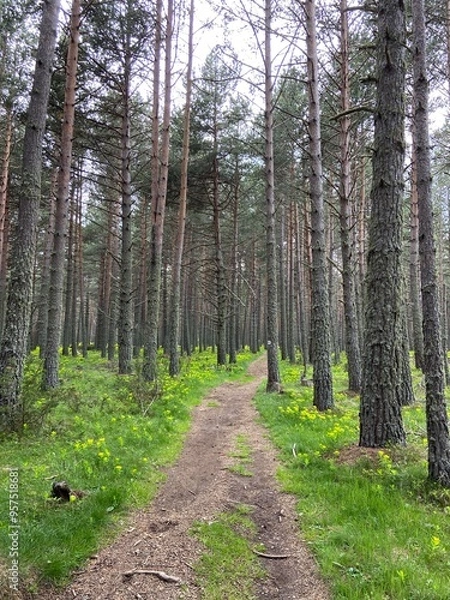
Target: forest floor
x=198, y=487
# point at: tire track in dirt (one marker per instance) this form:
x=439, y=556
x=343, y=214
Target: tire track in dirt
x=198, y=487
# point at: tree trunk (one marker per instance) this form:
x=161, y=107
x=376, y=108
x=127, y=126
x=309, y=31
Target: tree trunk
x=380, y=414
x=175, y=313
x=50, y=376
x=221, y=287
x=320, y=325
x=273, y=372
x=291, y=285
x=233, y=333
x=414, y=274
x=437, y=421
x=4, y=184
x=282, y=301
x=75, y=283
x=140, y=311
x=17, y=321
x=254, y=300
x=42, y=301
x=70, y=269
x=84, y=304
x=361, y=232
x=125, y=323
x=448, y=45
x=159, y=192
x=348, y=284
x=304, y=291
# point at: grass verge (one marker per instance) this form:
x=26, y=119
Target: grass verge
x=379, y=530
x=105, y=434
x=229, y=568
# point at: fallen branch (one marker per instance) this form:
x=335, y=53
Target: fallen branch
x=159, y=574
x=273, y=556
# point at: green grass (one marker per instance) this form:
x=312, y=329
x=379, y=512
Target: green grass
x=242, y=455
x=105, y=434
x=379, y=530
x=228, y=569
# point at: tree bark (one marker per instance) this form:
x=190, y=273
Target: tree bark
x=159, y=193
x=221, y=287
x=414, y=273
x=4, y=181
x=291, y=284
x=140, y=311
x=234, y=325
x=125, y=323
x=254, y=299
x=175, y=315
x=70, y=270
x=273, y=371
x=282, y=300
x=380, y=414
x=44, y=283
x=50, y=376
x=348, y=284
x=437, y=420
x=320, y=325
x=17, y=321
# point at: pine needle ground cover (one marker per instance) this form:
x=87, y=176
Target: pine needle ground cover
x=378, y=529
x=106, y=435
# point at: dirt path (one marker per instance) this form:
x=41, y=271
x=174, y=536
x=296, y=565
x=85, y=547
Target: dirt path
x=198, y=487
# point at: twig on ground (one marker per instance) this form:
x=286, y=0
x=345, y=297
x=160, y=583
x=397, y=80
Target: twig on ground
x=273, y=556
x=160, y=574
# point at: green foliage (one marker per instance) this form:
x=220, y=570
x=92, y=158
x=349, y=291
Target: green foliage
x=378, y=529
x=99, y=434
x=229, y=569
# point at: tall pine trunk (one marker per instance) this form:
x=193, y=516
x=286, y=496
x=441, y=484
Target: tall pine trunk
x=175, y=313
x=42, y=299
x=234, y=325
x=50, y=376
x=4, y=178
x=17, y=320
x=437, y=421
x=320, y=324
x=159, y=194
x=414, y=272
x=220, y=276
x=383, y=365
x=125, y=323
x=348, y=284
x=273, y=371
x=291, y=285
x=282, y=295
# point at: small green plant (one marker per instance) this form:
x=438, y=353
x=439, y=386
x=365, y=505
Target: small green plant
x=229, y=568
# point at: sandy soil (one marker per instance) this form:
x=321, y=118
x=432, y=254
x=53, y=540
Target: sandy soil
x=199, y=486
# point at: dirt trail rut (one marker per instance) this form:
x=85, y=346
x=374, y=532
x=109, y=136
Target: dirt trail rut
x=199, y=486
